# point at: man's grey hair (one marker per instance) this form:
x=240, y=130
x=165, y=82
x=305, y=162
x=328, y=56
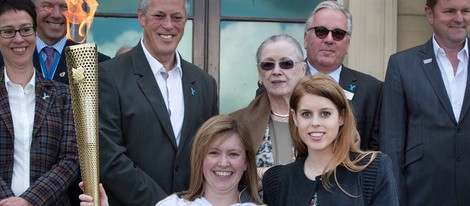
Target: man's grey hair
x=143, y=5
x=299, y=54
x=330, y=5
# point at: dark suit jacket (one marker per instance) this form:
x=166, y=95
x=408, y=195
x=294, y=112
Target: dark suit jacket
x=60, y=74
x=365, y=104
x=140, y=163
x=54, y=153
x=429, y=148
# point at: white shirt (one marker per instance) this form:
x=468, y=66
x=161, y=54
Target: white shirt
x=171, y=88
x=333, y=74
x=22, y=103
x=455, y=84
x=173, y=200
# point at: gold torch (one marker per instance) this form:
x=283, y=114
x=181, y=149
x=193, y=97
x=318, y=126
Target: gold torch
x=82, y=64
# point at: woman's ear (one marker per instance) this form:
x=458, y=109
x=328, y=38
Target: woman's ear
x=341, y=117
x=294, y=117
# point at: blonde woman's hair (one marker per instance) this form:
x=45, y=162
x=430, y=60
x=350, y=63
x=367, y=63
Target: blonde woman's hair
x=324, y=86
x=218, y=129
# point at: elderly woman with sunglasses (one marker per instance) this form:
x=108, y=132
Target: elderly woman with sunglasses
x=281, y=65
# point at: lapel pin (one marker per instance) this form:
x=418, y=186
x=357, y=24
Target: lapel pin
x=192, y=91
x=62, y=74
x=45, y=96
x=427, y=61
x=351, y=87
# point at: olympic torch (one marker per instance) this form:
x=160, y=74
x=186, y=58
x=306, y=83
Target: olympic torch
x=82, y=65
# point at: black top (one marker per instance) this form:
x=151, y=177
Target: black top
x=288, y=185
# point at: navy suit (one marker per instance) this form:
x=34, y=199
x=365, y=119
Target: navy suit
x=429, y=148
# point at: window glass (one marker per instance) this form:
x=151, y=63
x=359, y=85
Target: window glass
x=112, y=33
x=126, y=6
x=238, y=72
x=294, y=9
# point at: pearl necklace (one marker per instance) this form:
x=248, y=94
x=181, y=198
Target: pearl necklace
x=280, y=115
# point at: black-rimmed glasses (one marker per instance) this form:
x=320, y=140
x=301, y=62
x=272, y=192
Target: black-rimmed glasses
x=322, y=32
x=10, y=33
x=284, y=64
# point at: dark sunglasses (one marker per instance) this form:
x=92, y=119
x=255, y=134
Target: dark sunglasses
x=322, y=32
x=284, y=64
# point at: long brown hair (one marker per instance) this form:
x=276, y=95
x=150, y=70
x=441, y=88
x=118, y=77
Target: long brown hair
x=324, y=86
x=219, y=128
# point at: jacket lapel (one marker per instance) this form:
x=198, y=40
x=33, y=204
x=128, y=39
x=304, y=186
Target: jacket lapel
x=191, y=95
x=347, y=80
x=5, y=112
x=45, y=95
x=62, y=65
x=36, y=63
x=466, y=100
x=428, y=62
x=149, y=87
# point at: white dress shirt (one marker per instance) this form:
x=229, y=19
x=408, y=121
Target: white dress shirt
x=171, y=88
x=455, y=84
x=335, y=74
x=22, y=103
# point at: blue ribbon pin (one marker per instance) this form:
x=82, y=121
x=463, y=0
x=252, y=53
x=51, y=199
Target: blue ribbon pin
x=351, y=87
x=192, y=91
x=45, y=96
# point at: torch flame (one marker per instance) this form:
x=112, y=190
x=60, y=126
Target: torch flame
x=76, y=16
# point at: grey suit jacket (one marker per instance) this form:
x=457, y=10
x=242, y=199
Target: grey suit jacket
x=140, y=163
x=429, y=148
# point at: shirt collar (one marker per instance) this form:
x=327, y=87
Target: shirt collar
x=59, y=46
x=9, y=83
x=156, y=66
x=438, y=48
x=335, y=74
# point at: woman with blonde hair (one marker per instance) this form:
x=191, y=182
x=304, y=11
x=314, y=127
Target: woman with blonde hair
x=223, y=168
x=329, y=168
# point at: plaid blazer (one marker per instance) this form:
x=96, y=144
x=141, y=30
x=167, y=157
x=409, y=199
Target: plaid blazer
x=54, y=153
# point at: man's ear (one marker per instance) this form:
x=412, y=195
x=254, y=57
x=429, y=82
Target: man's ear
x=141, y=17
x=429, y=14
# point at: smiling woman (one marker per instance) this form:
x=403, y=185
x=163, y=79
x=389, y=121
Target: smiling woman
x=329, y=169
x=223, y=165
x=37, y=168
x=223, y=168
x=17, y=42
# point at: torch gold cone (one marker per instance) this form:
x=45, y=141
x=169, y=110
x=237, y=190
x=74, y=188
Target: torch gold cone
x=82, y=64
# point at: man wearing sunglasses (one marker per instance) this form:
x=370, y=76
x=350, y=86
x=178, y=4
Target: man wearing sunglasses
x=326, y=40
x=425, y=127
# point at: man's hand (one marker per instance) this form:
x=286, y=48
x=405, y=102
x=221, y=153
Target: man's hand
x=14, y=201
